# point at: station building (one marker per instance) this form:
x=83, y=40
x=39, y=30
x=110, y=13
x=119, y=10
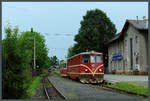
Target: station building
x=128, y=50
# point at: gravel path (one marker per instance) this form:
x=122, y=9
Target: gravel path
x=76, y=90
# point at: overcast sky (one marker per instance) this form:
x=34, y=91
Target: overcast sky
x=60, y=21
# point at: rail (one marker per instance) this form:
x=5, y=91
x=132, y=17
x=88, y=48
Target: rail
x=63, y=97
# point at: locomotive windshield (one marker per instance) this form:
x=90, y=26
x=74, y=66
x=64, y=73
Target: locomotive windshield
x=85, y=59
x=99, y=59
x=92, y=59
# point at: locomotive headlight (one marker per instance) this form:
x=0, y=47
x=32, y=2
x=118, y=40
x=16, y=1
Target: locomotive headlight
x=100, y=70
x=86, y=70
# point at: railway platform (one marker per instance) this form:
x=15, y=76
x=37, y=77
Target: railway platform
x=139, y=79
x=75, y=90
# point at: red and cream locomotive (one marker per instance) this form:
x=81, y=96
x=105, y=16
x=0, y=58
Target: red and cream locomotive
x=87, y=67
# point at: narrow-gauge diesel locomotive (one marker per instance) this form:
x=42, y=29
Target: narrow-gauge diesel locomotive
x=87, y=67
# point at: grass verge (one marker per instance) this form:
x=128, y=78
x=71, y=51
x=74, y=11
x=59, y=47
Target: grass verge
x=30, y=87
x=33, y=85
x=130, y=87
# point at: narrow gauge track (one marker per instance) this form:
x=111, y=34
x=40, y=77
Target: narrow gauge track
x=51, y=93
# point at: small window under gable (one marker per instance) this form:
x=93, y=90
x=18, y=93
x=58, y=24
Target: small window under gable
x=136, y=39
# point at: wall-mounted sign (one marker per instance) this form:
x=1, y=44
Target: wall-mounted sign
x=117, y=56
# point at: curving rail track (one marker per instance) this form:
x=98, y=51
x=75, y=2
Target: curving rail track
x=50, y=91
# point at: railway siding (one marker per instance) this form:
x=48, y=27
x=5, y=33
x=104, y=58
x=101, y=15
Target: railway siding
x=75, y=90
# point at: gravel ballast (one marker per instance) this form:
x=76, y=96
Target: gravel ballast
x=75, y=90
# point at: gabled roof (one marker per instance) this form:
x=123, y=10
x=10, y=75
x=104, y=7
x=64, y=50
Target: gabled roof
x=137, y=24
x=140, y=24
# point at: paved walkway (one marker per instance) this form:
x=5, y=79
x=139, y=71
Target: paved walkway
x=76, y=90
x=132, y=78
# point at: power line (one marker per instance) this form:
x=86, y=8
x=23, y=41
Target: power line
x=58, y=48
x=57, y=34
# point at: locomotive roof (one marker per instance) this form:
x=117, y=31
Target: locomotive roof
x=91, y=52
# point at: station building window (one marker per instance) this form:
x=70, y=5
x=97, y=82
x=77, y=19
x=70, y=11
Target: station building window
x=120, y=64
x=125, y=43
x=136, y=39
x=136, y=60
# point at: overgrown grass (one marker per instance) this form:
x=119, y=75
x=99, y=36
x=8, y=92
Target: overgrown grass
x=131, y=87
x=42, y=75
x=33, y=85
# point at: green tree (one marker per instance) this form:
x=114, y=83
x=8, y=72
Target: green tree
x=70, y=51
x=54, y=61
x=42, y=59
x=17, y=59
x=96, y=29
x=13, y=66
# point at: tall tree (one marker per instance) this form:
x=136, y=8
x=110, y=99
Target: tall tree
x=14, y=66
x=96, y=29
x=54, y=61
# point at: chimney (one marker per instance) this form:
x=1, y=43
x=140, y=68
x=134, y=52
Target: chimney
x=144, y=18
x=137, y=19
x=145, y=21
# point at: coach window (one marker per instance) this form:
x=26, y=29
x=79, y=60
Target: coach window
x=99, y=59
x=85, y=59
x=92, y=59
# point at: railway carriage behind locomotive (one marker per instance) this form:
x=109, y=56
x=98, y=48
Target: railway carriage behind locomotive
x=87, y=67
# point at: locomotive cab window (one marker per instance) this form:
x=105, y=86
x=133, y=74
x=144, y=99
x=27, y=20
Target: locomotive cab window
x=85, y=59
x=99, y=59
x=92, y=59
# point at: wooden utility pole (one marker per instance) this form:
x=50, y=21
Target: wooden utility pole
x=34, y=51
x=34, y=69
